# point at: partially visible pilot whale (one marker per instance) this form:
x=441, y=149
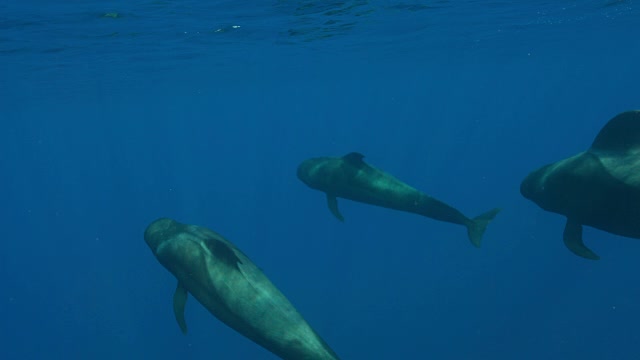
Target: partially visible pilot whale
x=349, y=177
x=599, y=187
x=233, y=289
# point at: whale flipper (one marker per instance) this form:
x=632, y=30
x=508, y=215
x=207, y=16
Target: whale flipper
x=477, y=226
x=573, y=240
x=179, y=300
x=332, y=202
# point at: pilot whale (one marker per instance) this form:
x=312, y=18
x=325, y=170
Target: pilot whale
x=349, y=177
x=233, y=289
x=599, y=187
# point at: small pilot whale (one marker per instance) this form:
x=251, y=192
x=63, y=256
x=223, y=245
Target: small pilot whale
x=599, y=187
x=233, y=289
x=349, y=177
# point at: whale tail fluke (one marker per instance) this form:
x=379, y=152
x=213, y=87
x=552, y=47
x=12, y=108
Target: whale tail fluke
x=477, y=226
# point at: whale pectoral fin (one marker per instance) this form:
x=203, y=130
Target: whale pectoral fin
x=179, y=300
x=573, y=240
x=332, y=201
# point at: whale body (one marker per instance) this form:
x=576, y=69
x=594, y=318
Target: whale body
x=233, y=289
x=599, y=187
x=349, y=177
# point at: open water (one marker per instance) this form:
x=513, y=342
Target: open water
x=115, y=113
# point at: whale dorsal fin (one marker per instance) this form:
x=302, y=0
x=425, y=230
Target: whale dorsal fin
x=354, y=158
x=223, y=252
x=620, y=134
x=573, y=240
x=179, y=301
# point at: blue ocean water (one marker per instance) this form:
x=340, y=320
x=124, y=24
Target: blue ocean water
x=116, y=113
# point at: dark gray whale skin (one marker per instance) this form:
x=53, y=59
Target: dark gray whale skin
x=233, y=289
x=349, y=177
x=599, y=187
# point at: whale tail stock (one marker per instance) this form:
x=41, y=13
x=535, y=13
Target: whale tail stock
x=477, y=226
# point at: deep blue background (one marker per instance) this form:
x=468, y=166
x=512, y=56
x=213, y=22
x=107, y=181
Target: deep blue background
x=167, y=110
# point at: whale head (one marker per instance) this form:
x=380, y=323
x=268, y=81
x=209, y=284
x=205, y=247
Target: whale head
x=532, y=187
x=159, y=231
x=560, y=187
x=309, y=171
x=328, y=173
x=549, y=187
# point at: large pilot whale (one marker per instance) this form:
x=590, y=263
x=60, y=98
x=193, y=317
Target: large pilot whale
x=233, y=289
x=349, y=177
x=599, y=187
